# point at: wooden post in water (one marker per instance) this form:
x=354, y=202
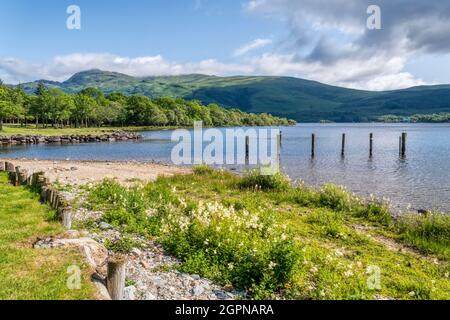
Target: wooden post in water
x=247, y=150
x=115, y=281
x=279, y=137
x=343, y=145
x=313, y=145
x=403, y=151
x=371, y=145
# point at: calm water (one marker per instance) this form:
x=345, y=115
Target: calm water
x=421, y=180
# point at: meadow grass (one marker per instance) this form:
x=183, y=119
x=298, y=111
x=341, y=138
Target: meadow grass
x=10, y=130
x=27, y=273
x=278, y=241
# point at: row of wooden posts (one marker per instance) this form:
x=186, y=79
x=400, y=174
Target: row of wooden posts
x=115, y=279
x=402, y=145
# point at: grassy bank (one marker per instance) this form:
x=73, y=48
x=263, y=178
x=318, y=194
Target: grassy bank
x=11, y=130
x=27, y=273
x=274, y=240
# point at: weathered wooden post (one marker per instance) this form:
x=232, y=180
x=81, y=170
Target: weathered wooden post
x=371, y=145
x=115, y=281
x=279, y=137
x=247, y=150
x=10, y=167
x=22, y=176
x=403, y=151
x=313, y=145
x=66, y=218
x=16, y=177
x=343, y=145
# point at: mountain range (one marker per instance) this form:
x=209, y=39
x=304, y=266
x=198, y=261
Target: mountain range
x=299, y=99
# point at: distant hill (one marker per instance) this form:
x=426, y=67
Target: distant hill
x=303, y=100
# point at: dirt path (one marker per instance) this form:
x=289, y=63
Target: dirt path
x=82, y=172
x=391, y=244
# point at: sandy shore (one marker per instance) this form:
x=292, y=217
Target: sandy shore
x=82, y=172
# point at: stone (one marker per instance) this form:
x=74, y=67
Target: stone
x=198, y=290
x=104, y=226
x=96, y=254
x=129, y=293
x=149, y=297
x=195, y=277
x=136, y=251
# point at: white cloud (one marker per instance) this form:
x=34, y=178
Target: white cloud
x=253, y=45
x=375, y=73
x=14, y=70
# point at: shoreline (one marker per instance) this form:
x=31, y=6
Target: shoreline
x=80, y=172
x=130, y=171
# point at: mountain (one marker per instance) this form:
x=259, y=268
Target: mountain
x=303, y=100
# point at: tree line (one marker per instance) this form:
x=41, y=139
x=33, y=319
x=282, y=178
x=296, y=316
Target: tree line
x=432, y=118
x=90, y=107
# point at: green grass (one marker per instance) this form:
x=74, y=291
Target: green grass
x=10, y=130
x=293, y=242
x=27, y=273
x=430, y=232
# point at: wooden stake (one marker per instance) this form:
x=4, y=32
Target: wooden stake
x=403, y=144
x=115, y=281
x=66, y=217
x=313, y=145
x=371, y=145
x=343, y=145
x=247, y=150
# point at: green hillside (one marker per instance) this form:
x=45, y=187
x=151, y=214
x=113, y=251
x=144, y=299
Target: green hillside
x=295, y=98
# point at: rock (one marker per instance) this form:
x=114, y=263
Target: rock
x=198, y=290
x=149, y=296
x=101, y=287
x=136, y=251
x=95, y=253
x=195, y=277
x=104, y=226
x=129, y=293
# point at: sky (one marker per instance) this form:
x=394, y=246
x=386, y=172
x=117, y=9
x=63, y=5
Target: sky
x=322, y=40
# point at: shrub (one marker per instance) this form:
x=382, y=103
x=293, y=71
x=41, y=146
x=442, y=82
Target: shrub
x=375, y=211
x=238, y=247
x=203, y=169
x=337, y=198
x=253, y=179
x=123, y=245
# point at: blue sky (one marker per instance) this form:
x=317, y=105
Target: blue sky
x=179, y=30
x=327, y=41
